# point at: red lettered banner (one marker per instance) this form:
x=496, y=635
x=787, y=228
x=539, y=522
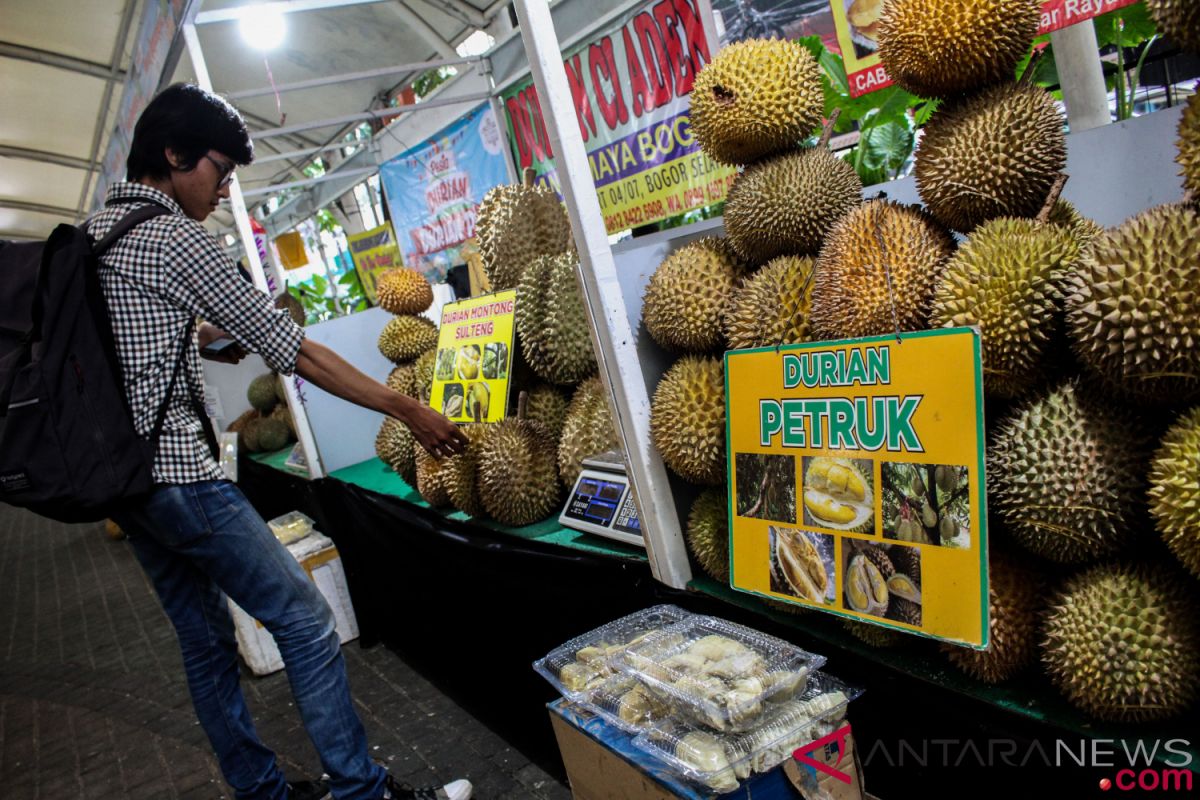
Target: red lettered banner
x=629, y=88
x=857, y=24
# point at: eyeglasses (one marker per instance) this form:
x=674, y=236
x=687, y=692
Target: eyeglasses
x=225, y=171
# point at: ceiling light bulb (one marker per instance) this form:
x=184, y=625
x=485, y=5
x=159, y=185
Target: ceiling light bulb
x=262, y=27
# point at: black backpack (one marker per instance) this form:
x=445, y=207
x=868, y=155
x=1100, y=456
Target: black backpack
x=68, y=446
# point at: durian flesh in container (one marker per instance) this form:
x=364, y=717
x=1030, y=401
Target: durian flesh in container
x=717, y=673
x=721, y=761
x=585, y=662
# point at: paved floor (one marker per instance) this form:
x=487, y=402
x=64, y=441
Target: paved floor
x=93, y=702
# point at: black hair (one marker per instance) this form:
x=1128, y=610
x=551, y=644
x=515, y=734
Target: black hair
x=190, y=121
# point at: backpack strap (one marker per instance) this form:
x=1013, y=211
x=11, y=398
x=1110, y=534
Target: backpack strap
x=128, y=223
x=197, y=404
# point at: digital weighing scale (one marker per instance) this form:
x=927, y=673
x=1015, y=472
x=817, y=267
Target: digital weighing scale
x=601, y=502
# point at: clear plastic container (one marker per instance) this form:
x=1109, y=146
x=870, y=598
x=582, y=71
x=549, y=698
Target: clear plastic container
x=585, y=662
x=622, y=700
x=721, y=761
x=717, y=673
x=291, y=527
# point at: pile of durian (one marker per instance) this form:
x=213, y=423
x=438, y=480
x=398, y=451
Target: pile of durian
x=268, y=425
x=514, y=471
x=1090, y=337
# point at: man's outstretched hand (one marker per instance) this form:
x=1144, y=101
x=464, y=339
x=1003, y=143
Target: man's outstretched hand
x=209, y=333
x=439, y=436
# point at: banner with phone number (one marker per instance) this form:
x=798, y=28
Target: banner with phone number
x=857, y=23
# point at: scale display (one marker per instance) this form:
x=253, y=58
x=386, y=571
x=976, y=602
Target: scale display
x=601, y=502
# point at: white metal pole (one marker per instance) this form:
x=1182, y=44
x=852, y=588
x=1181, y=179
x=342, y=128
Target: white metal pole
x=1077, y=56
x=304, y=431
x=612, y=336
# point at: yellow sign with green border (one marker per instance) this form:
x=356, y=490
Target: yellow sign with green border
x=474, y=358
x=856, y=480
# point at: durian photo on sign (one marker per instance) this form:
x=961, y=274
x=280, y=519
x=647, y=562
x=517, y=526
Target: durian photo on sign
x=882, y=581
x=839, y=493
x=445, y=363
x=766, y=487
x=927, y=504
x=802, y=564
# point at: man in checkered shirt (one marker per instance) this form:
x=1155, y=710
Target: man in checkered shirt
x=196, y=536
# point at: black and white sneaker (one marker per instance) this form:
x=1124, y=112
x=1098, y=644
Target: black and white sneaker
x=455, y=790
x=309, y=790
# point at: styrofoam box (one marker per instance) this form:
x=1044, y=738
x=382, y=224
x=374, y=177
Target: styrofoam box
x=319, y=557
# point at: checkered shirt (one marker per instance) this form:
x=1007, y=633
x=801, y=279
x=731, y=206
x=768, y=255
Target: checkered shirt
x=157, y=279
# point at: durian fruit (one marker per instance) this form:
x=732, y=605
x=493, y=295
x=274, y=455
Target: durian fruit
x=993, y=154
x=1122, y=643
x=403, y=291
x=430, y=483
x=272, y=434
x=687, y=419
x=293, y=306
x=783, y=205
x=874, y=635
x=402, y=379
x=238, y=424
x=261, y=393
x=941, y=48
x=1082, y=230
x=552, y=321
x=1014, y=601
x=1066, y=476
x=772, y=305
x=877, y=271
x=284, y=415
x=1133, y=307
x=517, y=224
x=460, y=472
x=396, y=447
x=1175, y=489
x=1178, y=20
x=517, y=474
x=547, y=406
x=708, y=533
x=1005, y=280
x=248, y=435
x=1189, y=145
x=755, y=98
x=588, y=430
x=423, y=369
x=407, y=337
x=685, y=297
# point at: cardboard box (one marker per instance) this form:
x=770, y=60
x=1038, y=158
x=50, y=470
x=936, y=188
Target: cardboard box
x=319, y=558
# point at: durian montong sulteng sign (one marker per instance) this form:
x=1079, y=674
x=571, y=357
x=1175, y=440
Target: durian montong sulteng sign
x=856, y=480
x=474, y=358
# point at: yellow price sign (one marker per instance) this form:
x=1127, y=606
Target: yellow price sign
x=856, y=480
x=474, y=358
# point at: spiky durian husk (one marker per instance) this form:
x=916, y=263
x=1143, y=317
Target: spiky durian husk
x=248, y=435
x=1122, y=642
x=942, y=48
x=1081, y=229
x=854, y=295
x=905, y=611
x=708, y=533
x=1014, y=600
x=403, y=291
x=396, y=447
x=993, y=154
x=1005, y=280
x=460, y=472
x=407, y=337
x=874, y=635
x=1066, y=475
x=1189, y=145
x=785, y=204
x=261, y=393
x=272, y=433
x=517, y=476
x=552, y=321
x=423, y=369
x=879, y=558
x=588, y=429
x=515, y=225
x=284, y=415
x=685, y=297
x=1133, y=308
x=547, y=406
x=907, y=561
x=1179, y=20
x=772, y=306
x=687, y=419
x=755, y=98
x=402, y=379
x=1175, y=489
x=430, y=483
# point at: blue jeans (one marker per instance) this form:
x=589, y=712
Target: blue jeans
x=201, y=542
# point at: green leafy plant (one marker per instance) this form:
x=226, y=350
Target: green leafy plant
x=320, y=305
x=1125, y=29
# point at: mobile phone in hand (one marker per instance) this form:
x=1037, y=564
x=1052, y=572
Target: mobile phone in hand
x=217, y=346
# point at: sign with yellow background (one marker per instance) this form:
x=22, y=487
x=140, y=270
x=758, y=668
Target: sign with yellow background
x=856, y=480
x=374, y=253
x=474, y=358
x=857, y=23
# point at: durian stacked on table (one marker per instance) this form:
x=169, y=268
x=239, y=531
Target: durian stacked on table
x=268, y=425
x=1091, y=348
x=409, y=340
